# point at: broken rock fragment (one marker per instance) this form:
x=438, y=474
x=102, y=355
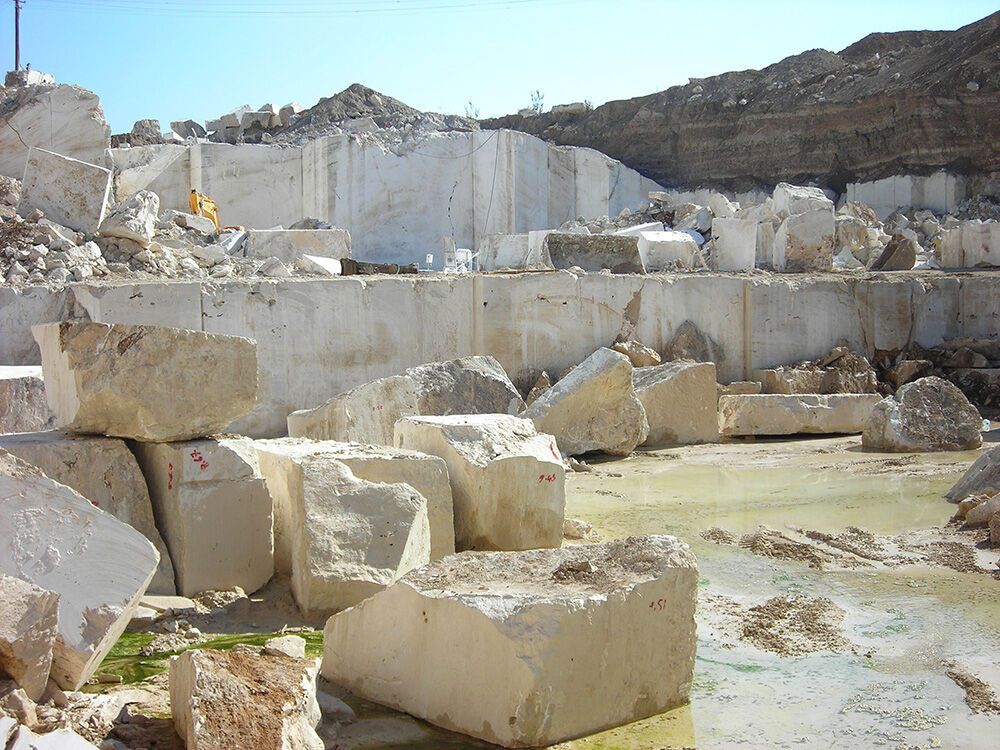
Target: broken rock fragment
x=58, y=540
x=214, y=511
x=469, y=385
x=28, y=628
x=341, y=538
x=680, y=400
x=240, y=699
x=135, y=219
x=639, y=354
x=507, y=480
x=560, y=639
x=929, y=414
x=146, y=382
x=23, y=407
x=593, y=408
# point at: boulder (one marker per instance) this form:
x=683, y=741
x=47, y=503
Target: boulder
x=56, y=539
x=617, y=253
x=982, y=478
x=780, y=414
x=559, y=639
x=214, y=511
x=28, y=629
x=146, y=382
x=804, y=242
x=995, y=530
x=105, y=472
x=899, y=255
x=188, y=129
x=638, y=354
x=542, y=384
x=240, y=699
x=287, y=245
x=983, y=513
x=681, y=402
x=428, y=475
x=795, y=199
x=69, y=192
x=508, y=482
x=850, y=374
x=340, y=538
x=593, y=408
x=929, y=414
x=469, y=385
x=23, y=407
x=734, y=244
x=135, y=219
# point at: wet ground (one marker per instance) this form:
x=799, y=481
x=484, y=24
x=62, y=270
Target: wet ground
x=853, y=653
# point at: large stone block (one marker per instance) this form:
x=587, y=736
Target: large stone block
x=661, y=250
x=28, y=628
x=428, y=475
x=982, y=478
x=779, y=414
x=469, y=385
x=105, y=472
x=734, y=244
x=341, y=539
x=288, y=245
x=146, y=382
x=593, y=408
x=214, y=512
x=796, y=199
x=69, y=192
x=929, y=414
x=680, y=400
x=594, y=252
x=56, y=539
x=237, y=699
x=23, y=407
x=507, y=481
x=804, y=242
x=562, y=640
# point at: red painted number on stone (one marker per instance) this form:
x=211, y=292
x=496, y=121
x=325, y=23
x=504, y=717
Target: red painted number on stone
x=546, y=478
x=170, y=476
x=658, y=605
x=555, y=453
x=377, y=408
x=199, y=459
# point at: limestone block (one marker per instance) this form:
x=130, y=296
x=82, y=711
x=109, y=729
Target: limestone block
x=560, y=640
x=214, y=512
x=804, y=242
x=508, y=482
x=56, y=539
x=135, y=219
x=593, y=408
x=638, y=354
x=288, y=245
x=28, y=628
x=619, y=254
x=146, y=382
x=69, y=192
x=365, y=414
x=982, y=478
x=929, y=414
x=188, y=129
x=428, y=475
x=341, y=538
x=662, y=250
x=899, y=255
x=503, y=251
x=60, y=739
x=734, y=244
x=680, y=400
x=637, y=229
x=469, y=385
x=722, y=207
x=23, y=407
x=794, y=199
x=237, y=699
x=321, y=266
x=105, y=472
x=780, y=414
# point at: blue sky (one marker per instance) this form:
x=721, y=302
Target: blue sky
x=178, y=59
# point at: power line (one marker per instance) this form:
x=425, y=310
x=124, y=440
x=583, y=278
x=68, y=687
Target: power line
x=267, y=8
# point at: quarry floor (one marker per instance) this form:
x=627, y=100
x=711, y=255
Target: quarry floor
x=854, y=650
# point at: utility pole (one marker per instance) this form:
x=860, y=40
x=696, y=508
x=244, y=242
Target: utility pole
x=17, y=34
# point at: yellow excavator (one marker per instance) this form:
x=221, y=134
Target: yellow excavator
x=202, y=205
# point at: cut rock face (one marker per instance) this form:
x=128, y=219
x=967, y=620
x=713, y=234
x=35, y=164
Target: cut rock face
x=929, y=414
x=593, y=408
x=146, y=382
x=560, y=640
x=342, y=539
x=428, y=475
x=56, y=539
x=69, y=192
x=214, y=511
x=507, y=481
x=680, y=400
x=105, y=472
x=236, y=699
x=23, y=407
x=779, y=414
x=28, y=628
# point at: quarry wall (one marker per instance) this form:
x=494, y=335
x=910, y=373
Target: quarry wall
x=397, y=203
x=319, y=337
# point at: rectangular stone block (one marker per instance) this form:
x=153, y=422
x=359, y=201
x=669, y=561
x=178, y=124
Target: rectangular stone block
x=734, y=245
x=594, y=252
x=23, y=406
x=681, y=402
x=28, y=628
x=213, y=510
x=804, y=242
x=780, y=414
x=105, y=472
x=288, y=245
x=58, y=540
x=69, y=192
x=565, y=642
x=659, y=250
